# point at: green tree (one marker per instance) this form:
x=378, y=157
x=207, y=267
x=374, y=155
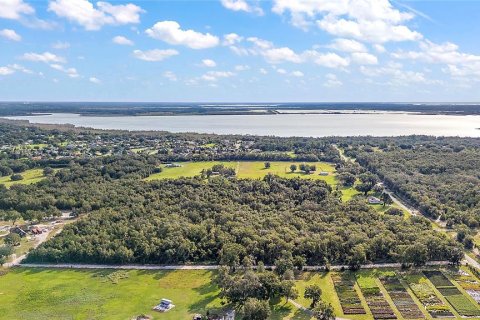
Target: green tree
x=48, y=171
x=5, y=252
x=368, y=181
x=324, y=311
x=16, y=177
x=288, y=290
x=12, y=239
x=255, y=309
x=230, y=255
x=314, y=293
x=293, y=167
x=357, y=257
x=386, y=198
x=267, y=165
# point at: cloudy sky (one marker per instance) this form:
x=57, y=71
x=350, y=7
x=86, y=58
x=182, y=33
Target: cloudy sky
x=239, y=50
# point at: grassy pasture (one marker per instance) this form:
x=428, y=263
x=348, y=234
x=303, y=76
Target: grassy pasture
x=29, y=177
x=257, y=170
x=108, y=294
x=248, y=169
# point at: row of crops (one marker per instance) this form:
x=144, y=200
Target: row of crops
x=459, y=302
x=432, y=289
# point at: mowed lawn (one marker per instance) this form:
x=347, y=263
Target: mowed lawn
x=247, y=169
x=53, y=294
x=257, y=170
x=29, y=177
x=187, y=169
x=90, y=294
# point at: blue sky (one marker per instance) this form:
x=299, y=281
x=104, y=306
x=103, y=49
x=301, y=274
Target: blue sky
x=240, y=51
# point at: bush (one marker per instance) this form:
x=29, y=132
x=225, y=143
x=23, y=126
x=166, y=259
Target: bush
x=16, y=177
x=12, y=239
x=394, y=212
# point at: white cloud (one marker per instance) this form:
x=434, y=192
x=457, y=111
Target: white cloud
x=10, y=35
x=347, y=45
x=20, y=68
x=241, y=5
x=170, y=75
x=94, y=80
x=372, y=31
x=263, y=71
x=5, y=71
x=332, y=81
x=374, y=21
x=61, y=45
x=85, y=14
x=215, y=75
x=297, y=74
x=155, y=54
x=328, y=60
x=379, y=48
x=231, y=39
x=123, y=41
x=395, y=75
x=14, y=9
x=46, y=57
x=364, y=58
x=242, y=67
x=272, y=54
x=122, y=14
x=170, y=32
x=209, y=63
x=282, y=71
x=71, y=72
x=457, y=63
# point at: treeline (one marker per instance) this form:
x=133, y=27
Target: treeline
x=224, y=220
x=439, y=176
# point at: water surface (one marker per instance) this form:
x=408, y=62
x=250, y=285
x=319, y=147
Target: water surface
x=284, y=125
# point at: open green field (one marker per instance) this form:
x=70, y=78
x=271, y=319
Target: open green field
x=187, y=169
x=257, y=170
x=248, y=169
x=29, y=177
x=107, y=294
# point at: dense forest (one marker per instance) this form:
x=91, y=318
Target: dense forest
x=441, y=177
x=99, y=176
x=220, y=220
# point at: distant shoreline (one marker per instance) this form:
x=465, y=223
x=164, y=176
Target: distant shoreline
x=174, y=109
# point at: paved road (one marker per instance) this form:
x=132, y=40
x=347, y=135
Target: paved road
x=471, y=261
x=197, y=267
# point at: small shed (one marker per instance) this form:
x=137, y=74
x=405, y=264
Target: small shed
x=164, y=305
x=374, y=200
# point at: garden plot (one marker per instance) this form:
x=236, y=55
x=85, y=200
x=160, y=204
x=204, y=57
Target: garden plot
x=454, y=296
x=375, y=299
x=468, y=283
x=345, y=287
x=428, y=298
x=401, y=298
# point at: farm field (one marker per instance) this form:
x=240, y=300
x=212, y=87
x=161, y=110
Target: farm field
x=29, y=177
x=108, y=294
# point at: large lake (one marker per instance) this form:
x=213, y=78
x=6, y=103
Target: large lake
x=310, y=125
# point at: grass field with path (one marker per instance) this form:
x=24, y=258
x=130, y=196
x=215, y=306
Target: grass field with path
x=29, y=177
